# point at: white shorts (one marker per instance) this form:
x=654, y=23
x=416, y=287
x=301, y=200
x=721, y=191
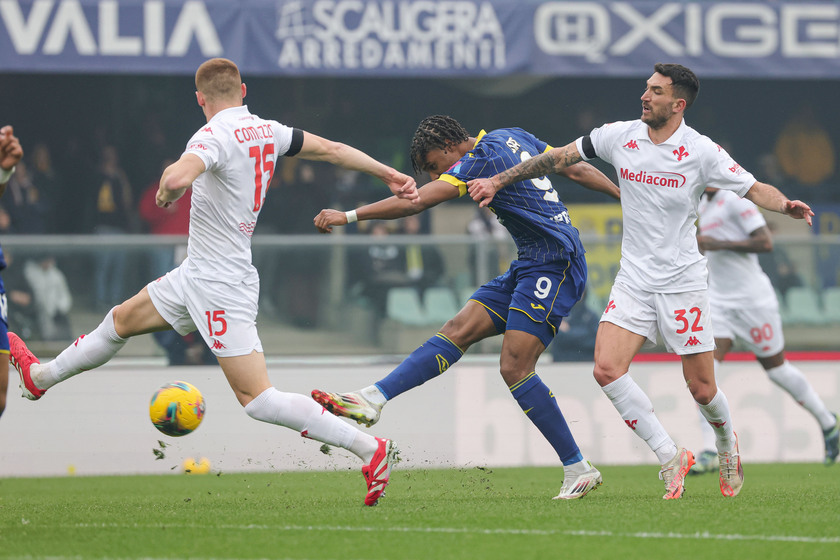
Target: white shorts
x=683, y=319
x=760, y=329
x=225, y=314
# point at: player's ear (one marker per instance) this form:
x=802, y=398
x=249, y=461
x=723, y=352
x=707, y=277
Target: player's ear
x=199, y=97
x=244, y=90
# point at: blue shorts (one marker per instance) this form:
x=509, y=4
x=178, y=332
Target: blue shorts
x=4, y=321
x=534, y=297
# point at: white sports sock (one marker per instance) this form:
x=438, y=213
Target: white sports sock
x=791, y=379
x=304, y=415
x=373, y=395
x=707, y=432
x=718, y=416
x=637, y=411
x=87, y=352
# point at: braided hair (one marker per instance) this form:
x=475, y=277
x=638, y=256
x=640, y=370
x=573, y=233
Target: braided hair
x=435, y=132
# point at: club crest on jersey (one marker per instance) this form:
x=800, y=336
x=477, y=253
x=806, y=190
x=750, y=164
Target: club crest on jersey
x=681, y=153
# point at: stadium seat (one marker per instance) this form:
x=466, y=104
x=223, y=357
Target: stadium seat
x=441, y=304
x=831, y=304
x=802, y=307
x=404, y=306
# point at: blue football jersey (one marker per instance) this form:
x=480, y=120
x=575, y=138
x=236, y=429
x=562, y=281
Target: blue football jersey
x=531, y=210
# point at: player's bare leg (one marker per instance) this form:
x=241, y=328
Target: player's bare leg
x=248, y=377
x=615, y=348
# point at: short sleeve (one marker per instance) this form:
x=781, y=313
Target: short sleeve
x=723, y=172
x=206, y=146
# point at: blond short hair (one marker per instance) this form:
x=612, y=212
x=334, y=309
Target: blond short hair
x=219, y=79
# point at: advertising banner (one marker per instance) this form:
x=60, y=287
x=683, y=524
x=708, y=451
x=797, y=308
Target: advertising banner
x=422, y=38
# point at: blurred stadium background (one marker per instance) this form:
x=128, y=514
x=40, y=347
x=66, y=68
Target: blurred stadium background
x=100, y=93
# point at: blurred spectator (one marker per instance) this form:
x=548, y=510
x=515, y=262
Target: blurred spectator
x=489, y=260
x=575, y=340
x=51, y=297
x=112, y=213
x=188, y=350
x=22, y=312
x=172, y=220
x=385, y=265
x=24, y=202
x=779, y=267
x=50, y=186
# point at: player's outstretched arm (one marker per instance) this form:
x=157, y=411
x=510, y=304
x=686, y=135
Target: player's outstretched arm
x=592, y=178
x=760, y=241
x=392, y=208
x=11, y=153
x=553, y=161
x=177, y=178
x=770, y=198
x=320, y=149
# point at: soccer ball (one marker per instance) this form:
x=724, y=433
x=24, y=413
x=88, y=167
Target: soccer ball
x=177, y=408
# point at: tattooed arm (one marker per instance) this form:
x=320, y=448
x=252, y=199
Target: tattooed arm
x=552, y=161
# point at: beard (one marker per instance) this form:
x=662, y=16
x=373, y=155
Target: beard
x=655, y=120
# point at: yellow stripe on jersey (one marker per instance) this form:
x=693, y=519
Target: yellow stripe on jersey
x=462, y=186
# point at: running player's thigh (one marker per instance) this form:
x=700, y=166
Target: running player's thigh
x=470, y=325
x=138, y=315
x=247, y=375
x=760, y=329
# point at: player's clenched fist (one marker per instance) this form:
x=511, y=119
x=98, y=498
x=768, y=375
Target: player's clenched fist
x=10, y=149
x=327, y=218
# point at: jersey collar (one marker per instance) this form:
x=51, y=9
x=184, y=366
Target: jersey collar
x=674, y=139
x=230, y=111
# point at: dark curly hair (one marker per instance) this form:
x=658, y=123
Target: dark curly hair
x=683, y=81
x=437, y=131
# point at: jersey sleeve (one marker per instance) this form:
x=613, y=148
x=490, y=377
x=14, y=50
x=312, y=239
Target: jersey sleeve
x=206, y=146
x=723, y=172
x=287, y=140
x=466, y=169
x=602, y=140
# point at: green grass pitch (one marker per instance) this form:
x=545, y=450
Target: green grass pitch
x=788, y=511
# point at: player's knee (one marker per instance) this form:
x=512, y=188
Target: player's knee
x=605, y=373
x=703, y=393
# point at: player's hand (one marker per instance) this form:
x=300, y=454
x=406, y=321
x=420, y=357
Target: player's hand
x=327, y=218
x=705, y=243
x=10, y=149
x=482, y=190
x=798, y=210
x=403, y=186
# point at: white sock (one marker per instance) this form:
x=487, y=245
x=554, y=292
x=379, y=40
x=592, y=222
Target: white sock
x=717, y=415
x=374, y=395
x=304, y=415
x=707, y=431
x=637, y=411
x=575, y=469
x=791, y=379
x=87, y=352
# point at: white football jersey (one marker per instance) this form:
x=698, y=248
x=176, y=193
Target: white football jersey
x=661, y=186
x=239, y=151
x=736, y=280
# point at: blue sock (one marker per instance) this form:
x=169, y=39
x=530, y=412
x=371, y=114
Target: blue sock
x=539, y=405
x=430, y=360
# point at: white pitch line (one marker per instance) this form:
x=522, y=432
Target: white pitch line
x=705, y=535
